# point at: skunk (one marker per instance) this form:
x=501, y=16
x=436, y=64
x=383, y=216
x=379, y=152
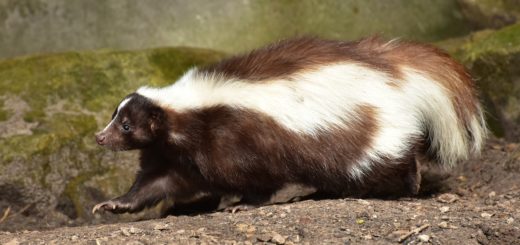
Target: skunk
x=345, y=118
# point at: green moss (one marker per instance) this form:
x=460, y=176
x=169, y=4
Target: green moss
x=34, y=114
x=54, y=133
x=112, y=181
x=115, y=181
x=67, y=126
x=23, y=146
x=4, y=114
x=503, y=41
x=493, y=59
x=95, y=80
x=73, y=192
x=170, y=66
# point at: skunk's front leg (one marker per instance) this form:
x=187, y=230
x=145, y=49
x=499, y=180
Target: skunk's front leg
x=148, y=189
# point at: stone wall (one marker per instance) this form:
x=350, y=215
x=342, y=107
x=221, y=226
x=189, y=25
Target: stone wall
x=39, y=26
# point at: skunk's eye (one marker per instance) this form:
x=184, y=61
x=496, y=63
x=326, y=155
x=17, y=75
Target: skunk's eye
x=126, y=127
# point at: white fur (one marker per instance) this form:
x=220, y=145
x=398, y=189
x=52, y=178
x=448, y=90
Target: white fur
x=325, y=98
x=121, y=105
x=479, y=130
x=435, y=110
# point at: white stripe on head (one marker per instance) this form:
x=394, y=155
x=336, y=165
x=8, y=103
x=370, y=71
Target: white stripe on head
x=121, y=105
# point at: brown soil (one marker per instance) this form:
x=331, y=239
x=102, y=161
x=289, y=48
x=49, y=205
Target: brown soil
x=478, y=203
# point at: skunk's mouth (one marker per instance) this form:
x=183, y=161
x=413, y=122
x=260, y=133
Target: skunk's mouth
x=104, y=139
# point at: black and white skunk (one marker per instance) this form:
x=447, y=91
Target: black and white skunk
x=344, y=118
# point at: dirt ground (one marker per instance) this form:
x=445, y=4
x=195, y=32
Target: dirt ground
x=478, y=203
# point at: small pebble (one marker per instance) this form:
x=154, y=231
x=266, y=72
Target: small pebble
x=447, y=198
x=160, y=227
x=296, y=238
x=241, y=227
x=125, y=231
x=492, y=194
x=443, y=225
x=462, y=178
x=511, y=147
x=364, y=202
x=444, y=209
x=263, y=237
x=277, y=238
x=486, y=215
x=510, y=220
x=423, y=238
x=134, y=230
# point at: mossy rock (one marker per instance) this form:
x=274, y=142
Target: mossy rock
x=50, y=108
x=493, y=57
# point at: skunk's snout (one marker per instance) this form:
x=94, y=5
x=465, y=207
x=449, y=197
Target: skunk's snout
x=100, y=138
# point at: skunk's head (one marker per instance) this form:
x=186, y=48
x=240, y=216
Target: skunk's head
x=136, y=124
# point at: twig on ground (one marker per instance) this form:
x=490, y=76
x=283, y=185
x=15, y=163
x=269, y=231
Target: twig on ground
x=24, y=208
x=6, y=213
x=413, y=232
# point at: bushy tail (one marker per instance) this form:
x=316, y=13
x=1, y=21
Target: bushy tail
x=452, y=138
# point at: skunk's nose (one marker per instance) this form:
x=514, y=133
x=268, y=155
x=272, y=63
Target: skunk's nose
x=100, y=138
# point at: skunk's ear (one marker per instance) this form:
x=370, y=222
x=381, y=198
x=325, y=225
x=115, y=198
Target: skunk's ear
x=156, y=118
